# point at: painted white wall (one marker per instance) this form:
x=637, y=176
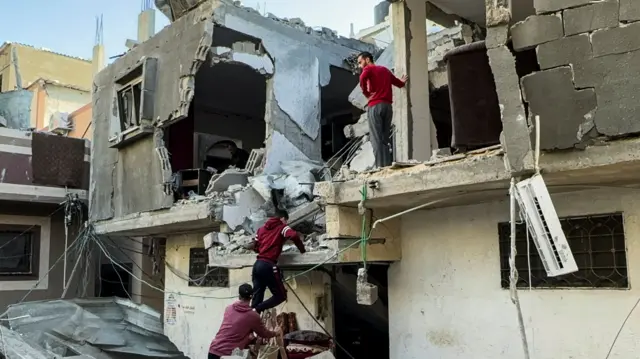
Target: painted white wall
x=446, y=301
x=199, y=310
x=62, y=99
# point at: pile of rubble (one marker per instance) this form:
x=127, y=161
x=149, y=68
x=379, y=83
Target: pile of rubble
x=242, y=203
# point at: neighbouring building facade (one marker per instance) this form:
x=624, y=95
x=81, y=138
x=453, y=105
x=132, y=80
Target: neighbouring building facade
x=38, y=172
x=436, y=222
x=61, y=85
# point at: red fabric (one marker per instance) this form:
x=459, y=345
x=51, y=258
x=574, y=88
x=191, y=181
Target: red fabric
x=238, y=324
x=376, y=82
x=272, y=236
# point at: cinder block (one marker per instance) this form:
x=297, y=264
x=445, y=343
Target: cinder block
x=591, y=17
x=617, y=40
x=536, y=30
x=562, y=109
x=629, y=10
x=617, y=84
x=547, y=6
x=565, y=51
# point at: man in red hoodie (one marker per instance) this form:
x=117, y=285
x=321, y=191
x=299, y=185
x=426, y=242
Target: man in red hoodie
x=238, y=325
x=266, y=274
x=376, y=82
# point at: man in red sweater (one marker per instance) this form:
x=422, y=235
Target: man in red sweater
x=376, y=82
x=266, y=274
x=238, y=325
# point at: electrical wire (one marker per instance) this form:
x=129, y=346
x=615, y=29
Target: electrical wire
x=75, y=242
x=106, y=254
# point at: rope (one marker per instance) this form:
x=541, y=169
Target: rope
x=513, y=272
x=363, y=236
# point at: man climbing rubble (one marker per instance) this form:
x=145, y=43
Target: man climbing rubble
x=238, y=325
x=376, y=82
x=266, y=274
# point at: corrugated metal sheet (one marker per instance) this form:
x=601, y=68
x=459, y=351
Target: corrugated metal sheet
x=109, y=328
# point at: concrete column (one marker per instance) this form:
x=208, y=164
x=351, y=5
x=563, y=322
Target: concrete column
x=146, y=25
x=515, y=138
x=98, y=59
x=411, y=115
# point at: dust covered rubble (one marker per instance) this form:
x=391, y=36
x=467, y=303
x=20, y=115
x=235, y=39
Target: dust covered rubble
x=242, y=203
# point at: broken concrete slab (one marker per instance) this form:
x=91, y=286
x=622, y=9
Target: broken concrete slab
x=616, y=40
x=364, y=160
x=515, y=140
x=565, y=113
x=565, y=51
x=591, y=17
x=629, y=10
x=222, y=181
x=215, y=238
x=246, y=202
x=536, y=30
x=547, y=6
x=303, y=212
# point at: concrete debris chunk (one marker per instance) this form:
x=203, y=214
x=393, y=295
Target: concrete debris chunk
x=365, y=158
x=222, y=181
x=255, y=160
x=366, y=293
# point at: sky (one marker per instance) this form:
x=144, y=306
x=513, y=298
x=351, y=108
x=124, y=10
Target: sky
x=68, y=26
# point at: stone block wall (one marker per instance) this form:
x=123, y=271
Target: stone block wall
x=589, y=56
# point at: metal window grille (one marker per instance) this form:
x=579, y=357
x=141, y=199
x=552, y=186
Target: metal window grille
x=598, y=246
x=201, y=275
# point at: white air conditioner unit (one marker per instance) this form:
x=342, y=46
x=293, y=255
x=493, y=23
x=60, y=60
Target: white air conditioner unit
x=536, y=208
x=60, y=123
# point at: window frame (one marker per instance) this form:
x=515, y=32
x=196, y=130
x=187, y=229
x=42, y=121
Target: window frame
x=34, y=232
x=581, y=280
x=214, y=273
x=142, y=76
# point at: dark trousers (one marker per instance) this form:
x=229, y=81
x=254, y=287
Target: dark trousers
x=213, y=356
x=380, y=117
x=266, y=275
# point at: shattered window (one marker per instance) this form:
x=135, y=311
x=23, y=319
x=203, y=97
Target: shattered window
x=18, y=252
x=129, y=104
x=598, y=246
x=201, y=275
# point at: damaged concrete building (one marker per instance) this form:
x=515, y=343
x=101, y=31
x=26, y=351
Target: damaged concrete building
x=170, y=114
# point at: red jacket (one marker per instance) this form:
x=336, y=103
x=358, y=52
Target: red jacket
x=376, y=82
x=272, y=236
x=239, y=322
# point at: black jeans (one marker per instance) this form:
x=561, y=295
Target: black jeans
x=379, y=117
x=266, y=275
x=213, y=356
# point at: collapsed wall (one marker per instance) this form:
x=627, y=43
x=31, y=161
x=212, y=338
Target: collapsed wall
x=589, y=57
x=242, y=201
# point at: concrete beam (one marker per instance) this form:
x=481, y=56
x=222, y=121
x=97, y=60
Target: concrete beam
x=175, y=220
x=440, y=17
x=411, y=116
x=613, y=163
